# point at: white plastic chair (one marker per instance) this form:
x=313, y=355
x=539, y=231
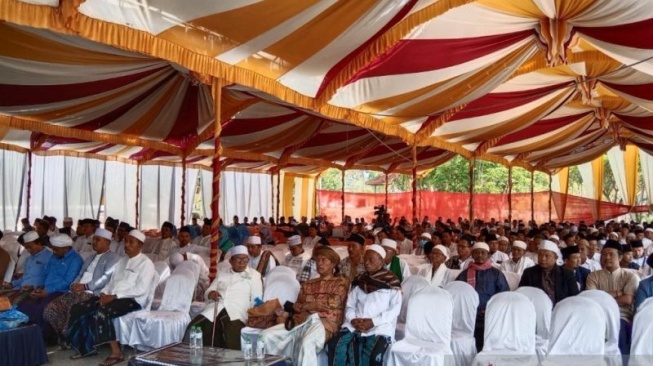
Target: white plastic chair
x=577, y=336
x=281, y=283
x=641, y=352
x=428, y=337
x=147, y=330
x=513, y=279
x=509, y=337
x=465, y=303
x=613, y=323
x=543, y=308
x=411, y=285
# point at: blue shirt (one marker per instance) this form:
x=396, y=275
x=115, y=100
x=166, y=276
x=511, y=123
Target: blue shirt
x=488, y=282
x=34, y=270
x=60, y=272
x=644, y=291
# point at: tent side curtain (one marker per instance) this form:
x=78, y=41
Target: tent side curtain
x=647, y=173
x=120, y=191
x=84, y=179
x=243, y=194
x=13, y=170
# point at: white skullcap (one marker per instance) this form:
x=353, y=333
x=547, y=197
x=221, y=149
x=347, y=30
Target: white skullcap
x=426, y=236
x=176, y=259
x=103, y=233
x=574, y=229
x=554, y=237
x=377, y=230
x=550, y=246
x=481, y=245
x=594, y=230
x=444, y=250
x=67, y=219
x=61, y=241
x=294, y=240
x=256, y=240
x=389, y=243
x=648, y=229
x=137, y=235
x=502, y=238
x=368, y=227
x=377, y=248
x=519, y=244
x=239, y=249
x=30, y=236
x=613, y=235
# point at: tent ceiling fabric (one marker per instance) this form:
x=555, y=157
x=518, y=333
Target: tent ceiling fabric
x=541, y=84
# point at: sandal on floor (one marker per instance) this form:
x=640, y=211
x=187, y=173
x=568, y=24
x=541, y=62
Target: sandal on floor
x=109, y=361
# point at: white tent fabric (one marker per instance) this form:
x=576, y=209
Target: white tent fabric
x=281, y=283
x=611, y=310
x=158, y=196
x=588, y=179
x=641, y=352
x=616, y=159
x=146, y=329
x=509, y=331
x=13, y=169
x=428, y=337
x=206, y=179
x=120, y=191
x=191, y=181
x=83, y=187
x=411, y=285
x=577, y=337
x=48, y=187
x=249, y=194
x=543, y=308
x=646, y=162
x=465, y=302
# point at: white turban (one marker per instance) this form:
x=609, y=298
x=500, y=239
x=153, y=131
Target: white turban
x=256, y=240
x=389, y=243
x=550, y=246
x=294, y=240
x=137, y=235
x=61, y=241
x=377, y=248
x=103, y=233
x=239, y=249
x=444, y=250
x=481, y=245
x=519, y=244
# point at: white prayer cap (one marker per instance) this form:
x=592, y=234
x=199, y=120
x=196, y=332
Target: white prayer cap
x=256, y=240
x=61, y=241
x=377, y=248
x=239, y=249
x=377, y=230
x=30, y=236
x=594, y=230
x=481, y=245
x=519, y=244
x=294, y=240
x=67, y=219
x=613, y=235
x=574, y=229
x=554, y=237
x=426, y=236
x=176, y=259
x=389, y=243
x=550, y=246
x=368, y=227
x=502, y=238
x=444, y=250
x=649, y=229
x=103, y=233
x=137, y=235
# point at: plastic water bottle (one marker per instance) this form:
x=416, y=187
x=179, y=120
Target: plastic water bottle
x=193, y=338
x=199, y=342
x=260, y=348
x=247, y=348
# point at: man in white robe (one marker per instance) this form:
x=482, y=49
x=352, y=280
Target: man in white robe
x=396, y=265
x=496, y=256
x=159, y=249
x=518, y=263
x=436, y=272
x=297, y=258
x=260, y=260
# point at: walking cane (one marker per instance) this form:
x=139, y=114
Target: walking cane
x=215, y=321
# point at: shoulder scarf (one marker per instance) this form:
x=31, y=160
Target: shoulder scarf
x=395, y=267
x=473, y=267
x=382, y=279
x=263, y=263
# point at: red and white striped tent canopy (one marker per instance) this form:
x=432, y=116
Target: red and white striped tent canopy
x=541, y=84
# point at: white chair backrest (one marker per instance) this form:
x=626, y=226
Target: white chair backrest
x=513, y=279
x=577, y=328
x=509, y=325
x=179, y=291
x=642, y=330
x=454, y=273
x=409, y=287
x=543, y=309
x=150, y=296
x=613, y=323
x=423, y=325
x=281, y=283
x=465, y=300
x=163, y=269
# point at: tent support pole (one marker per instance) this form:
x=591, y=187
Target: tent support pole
x=472, y=163
x=272, y=192
x=386, y=190
x=183, y=190
x=278, y=194
x=342, y=196
x=414, y=182
x=550, y=195
x=138, y=195
x=29, y=184
x=216, y=91
x=510, y=194
x=532, y=196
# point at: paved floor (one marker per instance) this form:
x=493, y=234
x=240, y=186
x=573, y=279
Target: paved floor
x=63, y=357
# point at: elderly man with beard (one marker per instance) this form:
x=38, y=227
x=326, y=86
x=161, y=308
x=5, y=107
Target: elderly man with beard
x=317, y=314
x=371, y=315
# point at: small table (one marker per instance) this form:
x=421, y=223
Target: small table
x=180, y=354
x=22, y=346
